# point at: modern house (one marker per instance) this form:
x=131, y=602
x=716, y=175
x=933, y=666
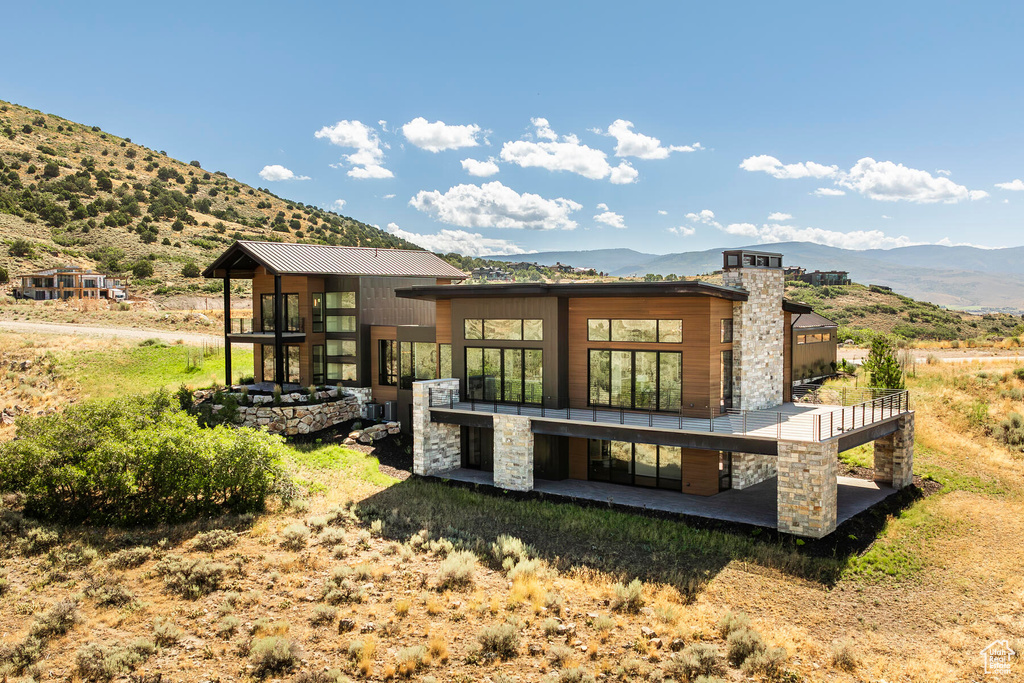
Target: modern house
x=652, y=388
x=822, y=278
x=69, y=282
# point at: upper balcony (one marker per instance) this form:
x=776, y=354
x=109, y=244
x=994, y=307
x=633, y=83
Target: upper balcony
x=248, y=329
x=850, y=416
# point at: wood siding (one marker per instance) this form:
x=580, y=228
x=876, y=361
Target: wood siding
x=700, y=472
x=787, y=355
x=578, y=464
x=443, y=314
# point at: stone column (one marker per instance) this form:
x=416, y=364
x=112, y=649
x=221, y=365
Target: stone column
x=513, y=453
x=758, y=328
x=894, y=455
x=751, y=468
x=436, y=448
x=807, y=487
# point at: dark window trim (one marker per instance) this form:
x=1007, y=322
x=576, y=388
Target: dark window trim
x=632, y=379
x=632, y=466
x=501, y=378
x=387, y=374
x=319, y=316
x=319, y=363
x=730, y=327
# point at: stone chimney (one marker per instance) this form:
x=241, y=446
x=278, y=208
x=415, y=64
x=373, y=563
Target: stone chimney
x=758, y=349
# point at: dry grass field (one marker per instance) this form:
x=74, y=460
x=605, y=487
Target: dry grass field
x=369, y=577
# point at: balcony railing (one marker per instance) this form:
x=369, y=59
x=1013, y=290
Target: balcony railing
x=792, y=423
x=249, y=326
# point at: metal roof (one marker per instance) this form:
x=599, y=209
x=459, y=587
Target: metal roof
x=809, y=320
x=284, y=258
x=575, y=289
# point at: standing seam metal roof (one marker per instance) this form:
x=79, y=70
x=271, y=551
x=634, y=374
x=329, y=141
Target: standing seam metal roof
x=322, y=259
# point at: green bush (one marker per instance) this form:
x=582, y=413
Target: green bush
x=4, y=276
x=22, y=248
x=142, y=269
x=273, y=655
x=457, y=570
x=191, y=578
x=138, y=459
x=698, y=659
x=501, y=640
x=628, y=598
x=191, y=269
x=742, y=644
x=96, y=662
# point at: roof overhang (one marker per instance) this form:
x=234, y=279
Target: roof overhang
x=790, y=306
x=601, y=289
x=235, y=261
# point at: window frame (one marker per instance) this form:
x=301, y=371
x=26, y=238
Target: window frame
x=387, y=371
x=525, y=381
x=657, y=400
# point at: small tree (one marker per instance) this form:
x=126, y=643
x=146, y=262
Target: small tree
x=4, y=277
x=190, y=269
x=51, y=170
x=882, y=364
x=142, y=269
x=21, y=247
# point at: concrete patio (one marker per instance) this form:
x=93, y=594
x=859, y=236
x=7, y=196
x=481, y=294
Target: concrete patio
x=755, y=505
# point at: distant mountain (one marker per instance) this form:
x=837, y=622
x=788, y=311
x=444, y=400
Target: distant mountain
x=957, y=277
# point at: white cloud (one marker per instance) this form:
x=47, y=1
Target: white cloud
x=567, y=155
x=367, y=160
x=705, y=216
x=276, y=172
x=460, y=241
x=493, y=205
x=338, y=204
x=683, y=231
x=481, y=169
x=888, y=218
x=890, y=182
x=611, y=218
x=439, y=136
x=776, y=169
x=978, y=194
x=858, y=239
x=388, y=196
x=602, y=206
x=828, y=192
x=632, y=144
x=662, y=212
x=942, y=171
x=1015, y=185
x=779, y=216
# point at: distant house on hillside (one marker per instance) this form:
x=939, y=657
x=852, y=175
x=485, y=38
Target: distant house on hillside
x=822, y=278
x=490, y=273
x=69, y=282
x=793, y=272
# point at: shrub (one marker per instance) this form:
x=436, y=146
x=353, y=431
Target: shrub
x=698, y=659
x=142, y=269
x=55, y=621
x=273, y=654
x=628, y=598
x=329, y=676
x=1011, y=430
x=732, y=622
x=107, y=591
x=575, y=675
x=130, y=558
x=501, y=640
x=138, y=459
x=560, y=655
x=323, y=614
x=339, y=587
x=99, y=663
x=457, y=570
x=769, y=663
x=4, y=276
x=22, y=248
x=509, y=551
x=741, y=644
x=227, y=626
x=844, y=655
x=191, y=269
x=295, y=536
x=191, y=578
x=215, y=539
x=165, y=632
x=410, y=659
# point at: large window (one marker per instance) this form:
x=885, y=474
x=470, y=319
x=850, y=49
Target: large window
x=647, y=331
x=417, y=361
x=726, y=330
x=387, y=362
x=503, y=329
x=341, y=323
x=509, y=375
x=444, y=360
x=341, y=347
x=727, y=378
x=319, y=364
x=341, y=372
x=317, y=305
x=291, y=364
x=622, y=462
x=292, y=321
x=641, y=380
x=341, y=299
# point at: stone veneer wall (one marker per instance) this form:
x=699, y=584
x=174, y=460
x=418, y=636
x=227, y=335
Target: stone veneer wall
x=807, y=487
x=436, y=448
x=513, y=453
x=758, y=337
x=894, y=455
x=751, y=468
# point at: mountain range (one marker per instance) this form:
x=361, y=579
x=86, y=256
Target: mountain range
x=959, y=277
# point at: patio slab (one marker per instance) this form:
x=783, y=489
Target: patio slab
x=756, y=505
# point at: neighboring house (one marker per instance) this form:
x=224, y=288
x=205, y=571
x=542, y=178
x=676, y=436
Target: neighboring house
x=822, y=278
x=682, y=386
x=793, y=272
x=491, y=273
x=814, y=343
x=69, y=282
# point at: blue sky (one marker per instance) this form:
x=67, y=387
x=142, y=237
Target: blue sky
x=661, y=127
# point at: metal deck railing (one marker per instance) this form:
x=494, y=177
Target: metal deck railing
x=808, y=419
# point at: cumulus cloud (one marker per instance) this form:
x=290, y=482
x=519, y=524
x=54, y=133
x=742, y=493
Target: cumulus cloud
x=943, y=171
x=439, y=136
x=276, y=172
x=611, y=218
x=338, y=204
x=858, y=239
x=662, y=212
x=565, y=154
x=884, y=181
x=493, y=205
x=602, y=206
x=705, y=216
x=367, y=159
x=481, y=169
x=779, y=216
x=629, y=143
x=828, y=192
x=460, y=241
x=777, y=169
x=683, y=231
x=1015, y=185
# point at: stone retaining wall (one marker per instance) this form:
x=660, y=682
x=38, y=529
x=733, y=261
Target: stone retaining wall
x=300, y=419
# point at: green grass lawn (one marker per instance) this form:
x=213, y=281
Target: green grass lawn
x=148, y=367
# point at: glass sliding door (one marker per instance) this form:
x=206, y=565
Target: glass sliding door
x=645, y=375
x=475, y=373
x=492, y=374
x=670, y=470
x=645, y=465
x=599, y=457
x=600, y=377
x=533, y=376
x=622, y=379
x=512, y=381
x=636, y=380
x=635, y=464
x=670, y=381
x=621, y=462
x=506, y=375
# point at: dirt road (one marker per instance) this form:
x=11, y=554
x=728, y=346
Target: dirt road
x=944, y=355
x=130, y=333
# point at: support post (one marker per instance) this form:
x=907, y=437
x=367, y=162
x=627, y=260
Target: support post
x=227, y=329
x=436, y=447
x=894, y=454
x=807, y=487
x=278, y=332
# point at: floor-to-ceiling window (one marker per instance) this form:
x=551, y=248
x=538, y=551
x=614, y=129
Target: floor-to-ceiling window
x=291, y=317
x=640, y=380
x=635, y=464
x=508, y=375
x=291, y=363
x=416, y=361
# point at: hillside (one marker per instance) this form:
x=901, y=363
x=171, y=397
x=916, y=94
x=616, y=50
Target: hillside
x=965, y=278
x=74, y=194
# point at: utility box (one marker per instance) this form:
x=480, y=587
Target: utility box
x=391, y=411
x=374, y=411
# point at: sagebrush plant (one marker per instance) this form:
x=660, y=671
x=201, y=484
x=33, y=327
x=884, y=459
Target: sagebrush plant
x=769, y=663
x=696, y=659
x=191, y=578
x=56, y=621
x=166, y=632
x=213, y=540
x=129, y=558
x=457, y=570
x=844, y=655
x=273, y=655
x=743, y=643
x=732, y=621
x=501, y=640
x=628, y=598
x=95, y=662
x=121, y=461
x=295, y=536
